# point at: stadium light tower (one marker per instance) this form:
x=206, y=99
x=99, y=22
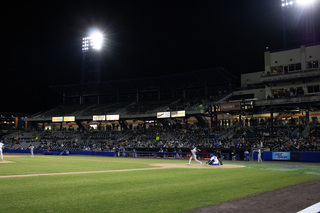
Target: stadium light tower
x=93, y=42
x=287, y=3
x=295, y=12
x=290, y=3
x=305, y=2
x=92, y=46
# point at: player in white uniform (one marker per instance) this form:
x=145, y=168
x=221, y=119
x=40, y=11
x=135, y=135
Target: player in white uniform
x=194, y=156
x=259, y=156
x=1, y=152
x=31, y=147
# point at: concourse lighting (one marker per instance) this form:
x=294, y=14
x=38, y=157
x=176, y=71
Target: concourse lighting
x=93, y=42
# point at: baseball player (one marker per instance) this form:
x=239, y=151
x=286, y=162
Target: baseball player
x=259, y=156
x=1, y=152
x=31, y=147
x=213, y=160
x=219, y=157
x=194, y=156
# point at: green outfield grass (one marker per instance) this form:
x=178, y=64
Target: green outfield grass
x=160, y=190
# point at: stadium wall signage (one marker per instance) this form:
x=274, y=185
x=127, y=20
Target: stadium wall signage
x=281, y=156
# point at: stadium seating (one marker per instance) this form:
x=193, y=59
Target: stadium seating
x=238, y=137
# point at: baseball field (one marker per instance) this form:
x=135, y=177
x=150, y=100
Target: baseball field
x=107, y=184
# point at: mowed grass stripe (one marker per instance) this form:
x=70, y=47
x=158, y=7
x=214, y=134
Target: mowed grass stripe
x=58, y=164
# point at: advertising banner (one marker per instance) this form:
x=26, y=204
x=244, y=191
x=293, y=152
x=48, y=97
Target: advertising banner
x=280, y=155
x=235, y=106
x=175, y=114
x=163, y=114
x=57, y=119
x=113, y=117
x=69, y=118
x=99, y=118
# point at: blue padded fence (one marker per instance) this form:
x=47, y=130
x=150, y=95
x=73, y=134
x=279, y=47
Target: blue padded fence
x=289, y=156
x=266, y=156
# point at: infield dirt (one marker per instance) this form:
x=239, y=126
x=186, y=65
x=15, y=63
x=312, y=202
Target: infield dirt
x=6, y=161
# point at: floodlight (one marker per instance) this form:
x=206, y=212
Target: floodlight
x=93, y=42
x=305, y=2
x=96, y=40
x=287, y=3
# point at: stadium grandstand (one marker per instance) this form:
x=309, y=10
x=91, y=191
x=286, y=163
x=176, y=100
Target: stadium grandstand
x=141, y=99
x=276, y=109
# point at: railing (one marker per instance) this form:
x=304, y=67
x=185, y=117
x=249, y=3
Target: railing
x=287, y=101
x=292, y=75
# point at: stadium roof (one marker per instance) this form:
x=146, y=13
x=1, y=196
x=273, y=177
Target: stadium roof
x=214, y=76
x=11, y=114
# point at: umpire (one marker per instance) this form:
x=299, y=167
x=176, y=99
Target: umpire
x=219, y=157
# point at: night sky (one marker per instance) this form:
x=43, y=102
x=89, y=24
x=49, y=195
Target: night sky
x=41, y=41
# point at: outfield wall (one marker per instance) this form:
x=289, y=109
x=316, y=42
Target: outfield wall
x=266, y=155
x=58, y=152
x=289, y=156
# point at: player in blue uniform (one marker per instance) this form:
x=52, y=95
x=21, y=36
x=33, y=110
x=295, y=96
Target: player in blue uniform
x=213, y=160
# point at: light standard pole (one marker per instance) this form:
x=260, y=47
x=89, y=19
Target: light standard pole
x=91, y=57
